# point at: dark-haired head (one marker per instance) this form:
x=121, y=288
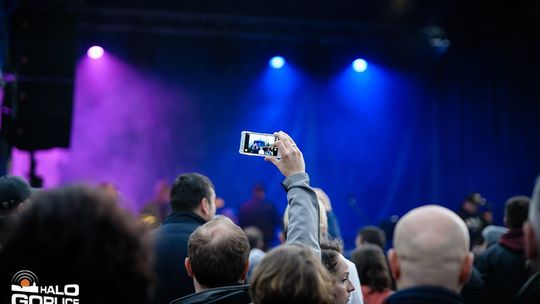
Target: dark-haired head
x=78, y=235
x=372, y=267
x=516, y=211
x=330, y=254
x=371, y=235
x=255, y=237
x=194, y=192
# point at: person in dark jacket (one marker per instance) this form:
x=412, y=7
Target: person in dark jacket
x=474, y=291
x=530, y=292
x=430, y=260
x=193, y=204
x=503, y=264
x=218, y=262
x=474, y=217
x=260, y=213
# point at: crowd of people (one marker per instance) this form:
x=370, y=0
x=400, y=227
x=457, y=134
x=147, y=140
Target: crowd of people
x=179, y=251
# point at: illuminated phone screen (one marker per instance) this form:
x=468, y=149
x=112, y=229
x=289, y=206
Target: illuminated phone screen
x=260, y=144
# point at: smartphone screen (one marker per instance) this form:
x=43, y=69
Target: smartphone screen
x=259, y=144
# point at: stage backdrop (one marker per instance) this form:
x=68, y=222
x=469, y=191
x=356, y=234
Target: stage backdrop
x=409, y=131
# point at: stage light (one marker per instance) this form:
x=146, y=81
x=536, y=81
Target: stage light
x=277, y=62
x=95, y=52
x=359, y=65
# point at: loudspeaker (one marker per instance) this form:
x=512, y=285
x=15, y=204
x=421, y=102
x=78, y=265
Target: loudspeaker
x=38, y=104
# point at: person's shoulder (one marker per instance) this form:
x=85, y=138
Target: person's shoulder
x=175, y=230
x=269, y=205
x=530, y=292
x=493, y=250
x=226, y=294
x=256, y=254
x=489, y=257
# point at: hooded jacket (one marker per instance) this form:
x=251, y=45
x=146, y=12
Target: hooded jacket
x=503, y=267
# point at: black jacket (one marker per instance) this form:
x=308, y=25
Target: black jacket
x=503, y=268
x=425, y=295
x=238, y=294
x=474, y=292
x=530, y=292
x=170, y=247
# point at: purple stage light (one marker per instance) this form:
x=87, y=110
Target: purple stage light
x=95, y=52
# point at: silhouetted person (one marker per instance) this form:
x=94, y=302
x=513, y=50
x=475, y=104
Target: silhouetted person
x=155, y=211
x=260, y=213
x=470, y=213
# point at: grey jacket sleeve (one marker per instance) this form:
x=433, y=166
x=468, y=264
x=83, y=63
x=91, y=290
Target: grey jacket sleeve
x=304, y=219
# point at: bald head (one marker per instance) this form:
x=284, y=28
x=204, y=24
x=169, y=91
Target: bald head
x=431, y=247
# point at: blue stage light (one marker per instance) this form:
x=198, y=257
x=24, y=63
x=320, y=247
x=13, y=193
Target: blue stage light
x=277, y=62
x=359, y=65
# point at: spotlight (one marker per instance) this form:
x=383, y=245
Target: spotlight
x=277, y=62
x=359, y=65
x=95, y=52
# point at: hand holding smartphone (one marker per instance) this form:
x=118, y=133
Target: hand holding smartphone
x=281, y=150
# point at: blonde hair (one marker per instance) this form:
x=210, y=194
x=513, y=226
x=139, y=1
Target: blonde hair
x=323, y=223
x=291, y=274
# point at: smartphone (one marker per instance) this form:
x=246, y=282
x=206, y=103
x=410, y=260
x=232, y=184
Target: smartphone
x=258, y=144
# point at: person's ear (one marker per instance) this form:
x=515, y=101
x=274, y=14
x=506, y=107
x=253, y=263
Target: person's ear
x=531, y=248
x=21, y=207
x=393, y=260
x=205, y=207
x=245, y=271
x=187, y=264
x=358, y=241
x=466, y=269
x=282, y=237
